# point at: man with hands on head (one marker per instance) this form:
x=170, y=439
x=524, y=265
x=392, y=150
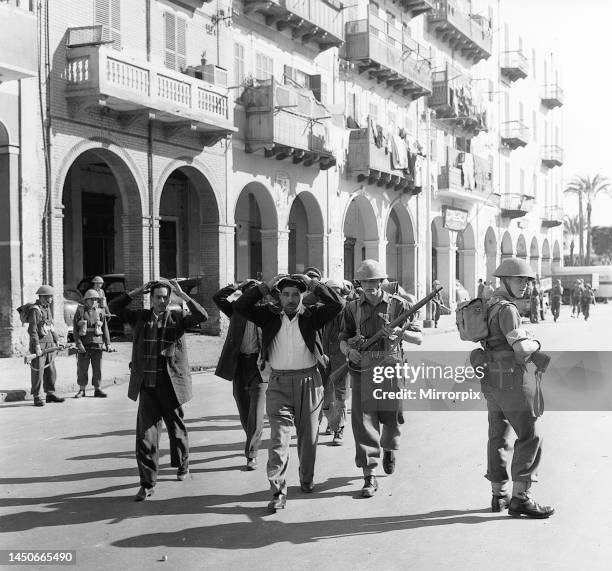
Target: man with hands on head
x=160, y=376
x=295, y=390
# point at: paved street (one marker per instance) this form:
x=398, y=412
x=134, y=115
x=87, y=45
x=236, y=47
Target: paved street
x=69, y=473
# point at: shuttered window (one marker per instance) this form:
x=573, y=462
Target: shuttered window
x=263, y=66
x=175, y=31
x=239, y=72
x=108, y=14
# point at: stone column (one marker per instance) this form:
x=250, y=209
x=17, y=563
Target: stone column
x=446, y=272
x=315, y=251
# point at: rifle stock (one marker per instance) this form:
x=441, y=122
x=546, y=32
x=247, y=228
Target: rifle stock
x=399, y=320
x=71, y=349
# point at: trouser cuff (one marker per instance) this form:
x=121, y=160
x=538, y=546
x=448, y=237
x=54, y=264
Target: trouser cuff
x=500, y=488
x=520, y=489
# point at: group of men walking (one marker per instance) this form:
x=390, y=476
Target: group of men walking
x=287, y=339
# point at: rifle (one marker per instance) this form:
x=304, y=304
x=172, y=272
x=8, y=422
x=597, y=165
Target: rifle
x=70, y=348
x=341, y=371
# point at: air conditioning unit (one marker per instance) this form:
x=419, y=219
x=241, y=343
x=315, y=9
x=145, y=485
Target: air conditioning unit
x=214, y=74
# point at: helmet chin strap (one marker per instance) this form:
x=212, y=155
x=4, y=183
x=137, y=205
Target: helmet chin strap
x=506, y=283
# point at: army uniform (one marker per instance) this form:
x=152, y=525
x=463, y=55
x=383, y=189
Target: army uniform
x=587, y=297
x=514, y=401
x=576, y=296
x=556, y=295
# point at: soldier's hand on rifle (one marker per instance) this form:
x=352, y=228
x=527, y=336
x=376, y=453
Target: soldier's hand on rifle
x=39, y=352
x=354, y=357
x=388, y=330
x=109, y=349
x=80, y=348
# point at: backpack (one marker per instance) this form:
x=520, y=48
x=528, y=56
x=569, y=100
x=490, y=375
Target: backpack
x=472, y=318
x=24, y=312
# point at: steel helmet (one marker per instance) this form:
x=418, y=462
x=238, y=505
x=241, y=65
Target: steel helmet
x=91, y=294
x=370, y=270
x=334, y=283
x=45, y=290
x=313, y=272
x=514, y=267
x=97, y=280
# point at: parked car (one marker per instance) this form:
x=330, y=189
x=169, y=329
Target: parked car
x=72, y=299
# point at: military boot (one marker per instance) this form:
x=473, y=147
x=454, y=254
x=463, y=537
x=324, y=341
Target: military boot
x=528, y=507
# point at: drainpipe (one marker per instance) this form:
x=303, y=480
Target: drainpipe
x=152, y=271
x=20, y=188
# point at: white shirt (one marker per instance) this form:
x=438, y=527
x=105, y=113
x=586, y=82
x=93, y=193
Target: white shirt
x=288, y=350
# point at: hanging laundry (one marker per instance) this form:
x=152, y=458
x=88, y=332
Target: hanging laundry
x=419, y=164
x=399, y=153
x=468, y=171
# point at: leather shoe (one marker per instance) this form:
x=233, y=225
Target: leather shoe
x=182, y=474
x=80, y=394
x=499, y=503
x=143, y=494
x=99, y=393
x=307, y=487
x=338, y=437
x=251, y=464
x=279, y=501
x=388, y=461
x=529, y=508
x=38, y=401
x=370, y=486
x=52, y=398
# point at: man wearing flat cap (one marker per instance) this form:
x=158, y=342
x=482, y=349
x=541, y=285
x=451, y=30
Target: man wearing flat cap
x=160, y=376
x=295, y=390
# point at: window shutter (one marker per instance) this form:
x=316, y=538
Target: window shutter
x=102, y=12
x=181, y=44
x=170, y=32
x=316, y=86
x=287, y=75
x=115, y=23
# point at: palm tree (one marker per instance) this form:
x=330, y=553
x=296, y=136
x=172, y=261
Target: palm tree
x=571, y=228
x=587, y=189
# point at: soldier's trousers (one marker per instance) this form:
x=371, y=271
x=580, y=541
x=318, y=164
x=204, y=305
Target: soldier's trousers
x=93, y=356
x=337, y=417
x=555, y=307
x=154, y=405
x=293, y=398
x=250, y=396
x=42, y=372
x=586, y=307
x=513, y=409
x=366, y=420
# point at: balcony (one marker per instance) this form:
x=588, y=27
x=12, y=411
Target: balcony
x=372, y=163
x=316, y=21
x=553, y=216
x=514, y=134
x=514, y=65
x=285, y=121
x=98, y=76
x=552, y=156
x=457, y=181
x=403, y=67
x=18, y=40
x=514, y=205
x=454, y=103
x=416, y=7
x=552, y=96
x=467, y=33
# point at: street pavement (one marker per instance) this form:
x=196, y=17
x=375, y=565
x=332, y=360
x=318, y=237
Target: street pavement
x=69, y=475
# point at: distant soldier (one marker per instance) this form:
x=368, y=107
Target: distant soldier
x=556, y=294
x=512, y=396
x=96, y=283
x=534, y=304
x=43, y=337
x=481, y=287
x=90, y=331
x=576, y=295
x=587, y=298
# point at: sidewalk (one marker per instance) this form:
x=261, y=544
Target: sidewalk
x=203, y=352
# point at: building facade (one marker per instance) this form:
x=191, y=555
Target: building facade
x=241, y=139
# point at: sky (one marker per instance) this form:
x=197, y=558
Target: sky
x=578, y=34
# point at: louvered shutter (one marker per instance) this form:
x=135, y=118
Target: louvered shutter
x=170, y=34
x=181, y=44
x=115, y=23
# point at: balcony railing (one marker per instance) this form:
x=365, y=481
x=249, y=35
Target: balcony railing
x=552, y=156
x=467, y=33
x=453, y=101
x=316, y=21
x=403, y=65
x=284, y=122
x=373, y=163
x=552, y=216
x=514, y=65
x=470, y=184
x=515, y=205
x=18, y=41
x=417, y=7
x=97, y=75
x=552, y=96
x=514, y=134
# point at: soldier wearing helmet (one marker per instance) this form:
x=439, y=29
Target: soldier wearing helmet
x=363, y=318
x=556, y=294
x=512, y=396
x=43, y=337
x=96, y=284
x=90, y=330
x=576, y=296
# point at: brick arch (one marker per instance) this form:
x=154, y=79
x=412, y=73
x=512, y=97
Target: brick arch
x=306, y=233
x=4, y=135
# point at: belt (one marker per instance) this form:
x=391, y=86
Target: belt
x=306, y=371
x=249, y=355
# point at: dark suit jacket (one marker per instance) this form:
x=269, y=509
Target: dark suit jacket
x=177, y=364
x=269, y=317
x=228, y=360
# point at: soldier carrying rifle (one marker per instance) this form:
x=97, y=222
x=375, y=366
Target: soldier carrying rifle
x=363, y=319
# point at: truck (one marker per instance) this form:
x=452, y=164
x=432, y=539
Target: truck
x=600, y=278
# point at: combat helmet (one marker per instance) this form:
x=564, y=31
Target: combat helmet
x=97, y=280
x=370, y=270
x=45, y=290
x=91, y=294
x=514, y=267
